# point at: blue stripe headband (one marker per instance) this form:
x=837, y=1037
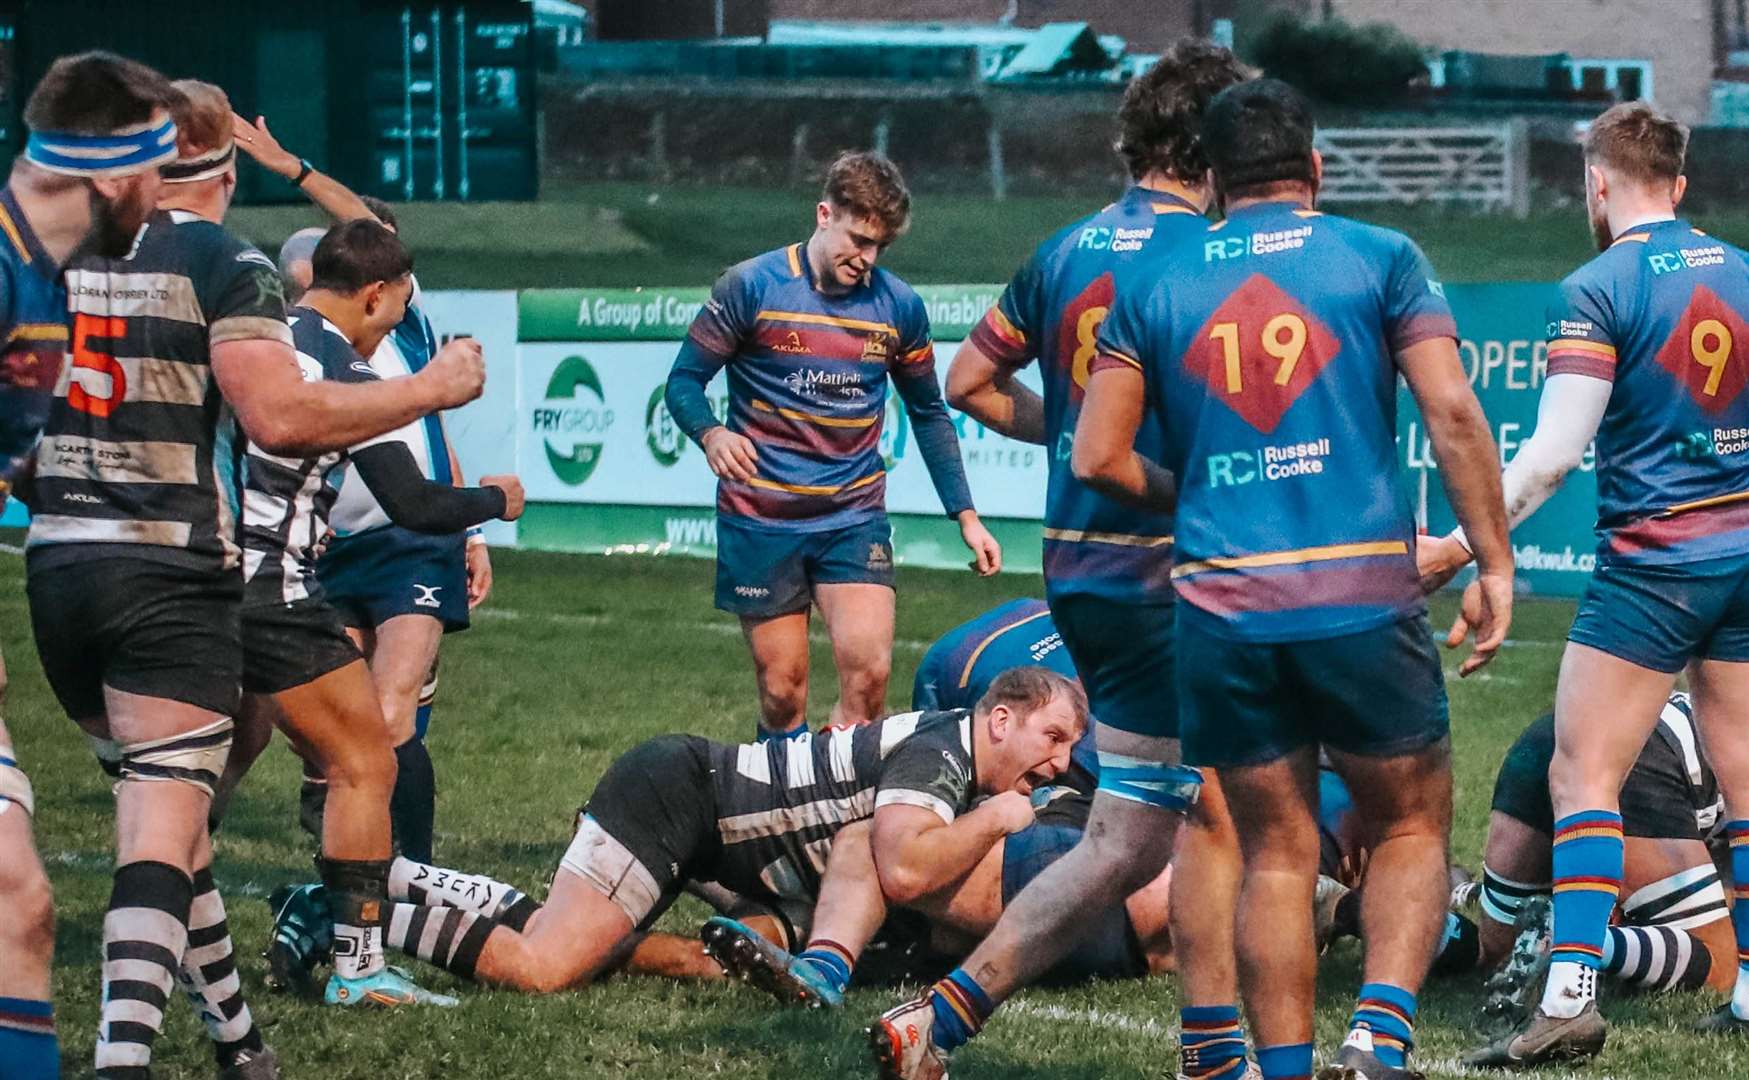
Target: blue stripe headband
x=123, y=153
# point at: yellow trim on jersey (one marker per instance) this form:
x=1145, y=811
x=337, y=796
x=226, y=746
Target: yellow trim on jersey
x=1130, y=360
x=1296, y=557
x=38, y=332
x=1006, y=327
x=13, y=234
x=1582, y=345
x=827, y=320
x=1636, y=237
x=816, y=489
x=1169, y=208
x=1702, y=504
x=795, y=264
x=1308, y=213
x=1080, y=536
x=971, y=662
x=811, y=418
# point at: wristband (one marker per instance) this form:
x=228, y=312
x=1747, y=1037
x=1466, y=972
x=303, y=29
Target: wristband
x=476, y=535
x=304, y=171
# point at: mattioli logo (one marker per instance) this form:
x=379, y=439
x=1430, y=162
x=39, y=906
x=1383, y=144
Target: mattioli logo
x=663, y=436
x=572, y=420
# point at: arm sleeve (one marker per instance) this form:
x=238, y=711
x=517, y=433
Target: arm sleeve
x=913, y=373
x=245, y=299
x=1567, y=418
x=1415, y=304
x=413, y=502
x=1007, y=334
x=922, y=772
x=714, y=337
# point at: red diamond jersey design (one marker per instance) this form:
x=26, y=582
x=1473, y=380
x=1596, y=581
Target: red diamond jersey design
x=1078, y=333
x=1259, y=402
x=1680, y=354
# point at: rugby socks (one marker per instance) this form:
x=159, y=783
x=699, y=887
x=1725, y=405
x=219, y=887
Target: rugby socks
x=1460, y=947
x=765, y=734
x=357, y=891
x=1290, y=1061
x=436, y=886
x=1738, y=832
x=144, y=934
x=208, y=974
x=832, y=960
x=448, y=937
x=1656, y=958
x=413, y=806
x=961, y=1008
x=1211, y=1044
x=27, y=1039
x=1384, y=1022
x=1588, y=866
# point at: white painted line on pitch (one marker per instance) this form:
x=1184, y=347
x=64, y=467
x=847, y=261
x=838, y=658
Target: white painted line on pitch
x=1451, y=675
x=11, y=549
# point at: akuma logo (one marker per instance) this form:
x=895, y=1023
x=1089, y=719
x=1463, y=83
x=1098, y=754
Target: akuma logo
x=572, y=420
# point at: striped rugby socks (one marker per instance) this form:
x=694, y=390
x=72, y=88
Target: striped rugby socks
x=436, y=886
x=1738, y=832
x=961, y=1008
x=1656, y=958
x=449, y=937
x=208, y=975
x=1587, y=871
x=832, y=960
x=1384, y=1022
x=144, y=936
x=27, y=1039
x=1211, y=1043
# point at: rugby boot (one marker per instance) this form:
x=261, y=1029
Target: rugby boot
x=901, y=1043
x=1329, y=894
x=747, y=956
x=303, y=935
x=389, y=988
x=1252, y=1072
x=260, y=1064
x=1722, y=1021
x=1543, y=1039
x=1358, y=1063
x=1510, y=989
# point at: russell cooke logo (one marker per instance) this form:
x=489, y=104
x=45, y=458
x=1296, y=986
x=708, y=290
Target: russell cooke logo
x=572, y=420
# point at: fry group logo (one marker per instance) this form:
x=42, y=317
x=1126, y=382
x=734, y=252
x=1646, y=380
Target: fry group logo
x=572, y=420
x=664, y=437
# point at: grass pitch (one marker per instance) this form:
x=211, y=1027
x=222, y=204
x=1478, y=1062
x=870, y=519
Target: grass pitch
x=574, y=660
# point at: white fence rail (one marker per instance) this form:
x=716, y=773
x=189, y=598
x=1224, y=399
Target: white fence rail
x=1485, y=167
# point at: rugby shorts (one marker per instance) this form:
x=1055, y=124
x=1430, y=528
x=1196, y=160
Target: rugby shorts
x=291, y=645
x=1108, y=947
x=1660, y=617
x=372, y=577
x=650, y=824
x=1657, y=801
x=139, y=626
x=1378, y=692
x=1124, y=653
x=766, y=572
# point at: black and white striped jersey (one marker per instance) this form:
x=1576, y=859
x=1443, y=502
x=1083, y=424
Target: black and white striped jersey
x=134, y=459
x=780, y=803
x=286, y=501
x=1676, y=730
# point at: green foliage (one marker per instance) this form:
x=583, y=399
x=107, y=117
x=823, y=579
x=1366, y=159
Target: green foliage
x=1339, y=62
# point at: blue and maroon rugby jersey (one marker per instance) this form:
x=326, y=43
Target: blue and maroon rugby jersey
x=1268, y=352
x=1660, y=315
x=1051, y=312
x=808, y=385
x=33, y=336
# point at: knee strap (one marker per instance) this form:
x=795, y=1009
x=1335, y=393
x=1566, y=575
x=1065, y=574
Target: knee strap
x=1502, y=898
x=14, y=785
x=196, y=757
x=1151, y=783
x=1683, y=901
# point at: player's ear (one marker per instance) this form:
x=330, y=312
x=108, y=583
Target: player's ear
x=1317, y=171
x=1678, y=190
x=372, y=296
x=822, y=214
x=1000, y=717
x=1597, y=182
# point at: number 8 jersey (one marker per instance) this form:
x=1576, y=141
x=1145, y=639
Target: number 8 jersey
x=1268, y=353
x=1660, y=315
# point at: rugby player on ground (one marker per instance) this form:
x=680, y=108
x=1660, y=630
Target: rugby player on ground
x=1270, y=353
x=58, y=198
x=811, y=334
x=1642, y=357
x=1107, y=578
x=758, y=819
x=132, y=558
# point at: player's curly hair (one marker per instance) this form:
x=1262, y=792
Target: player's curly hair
x=868, y=185
x=1160, y=120
x=1029, y=689
x=1636, y=139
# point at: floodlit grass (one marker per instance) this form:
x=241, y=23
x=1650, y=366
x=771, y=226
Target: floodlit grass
x=575, y=660
x=623, y=234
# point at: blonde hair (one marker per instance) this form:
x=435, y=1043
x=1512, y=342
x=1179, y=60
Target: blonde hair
x=203, y=118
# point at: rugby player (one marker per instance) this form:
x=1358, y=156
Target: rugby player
x=1269, y=352
x=398, y=587
x=810, y=335
x=1107, y=579
x=132, y=559
x=55, y=201
x=1642, y=357
x=756, y=818
x=1673, y=932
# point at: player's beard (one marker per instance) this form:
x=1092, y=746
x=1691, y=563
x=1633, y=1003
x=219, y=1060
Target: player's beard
x=1598, y=216
x=114, y=224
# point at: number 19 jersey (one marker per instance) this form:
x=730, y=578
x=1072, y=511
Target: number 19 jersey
x=1268, y=352
x=1661, y=315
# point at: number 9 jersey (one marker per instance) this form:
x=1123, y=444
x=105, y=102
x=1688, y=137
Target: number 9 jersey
x=1661, y=316
x=1268, y=353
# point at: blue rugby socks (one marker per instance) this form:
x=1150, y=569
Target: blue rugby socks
x=831, y=960
x=1384, y=1022
x=1290, y=1061
x=961, y=1008
x=1587, y=871
x=1738, y=832
x=27, y=1039
x=1211, y=1043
